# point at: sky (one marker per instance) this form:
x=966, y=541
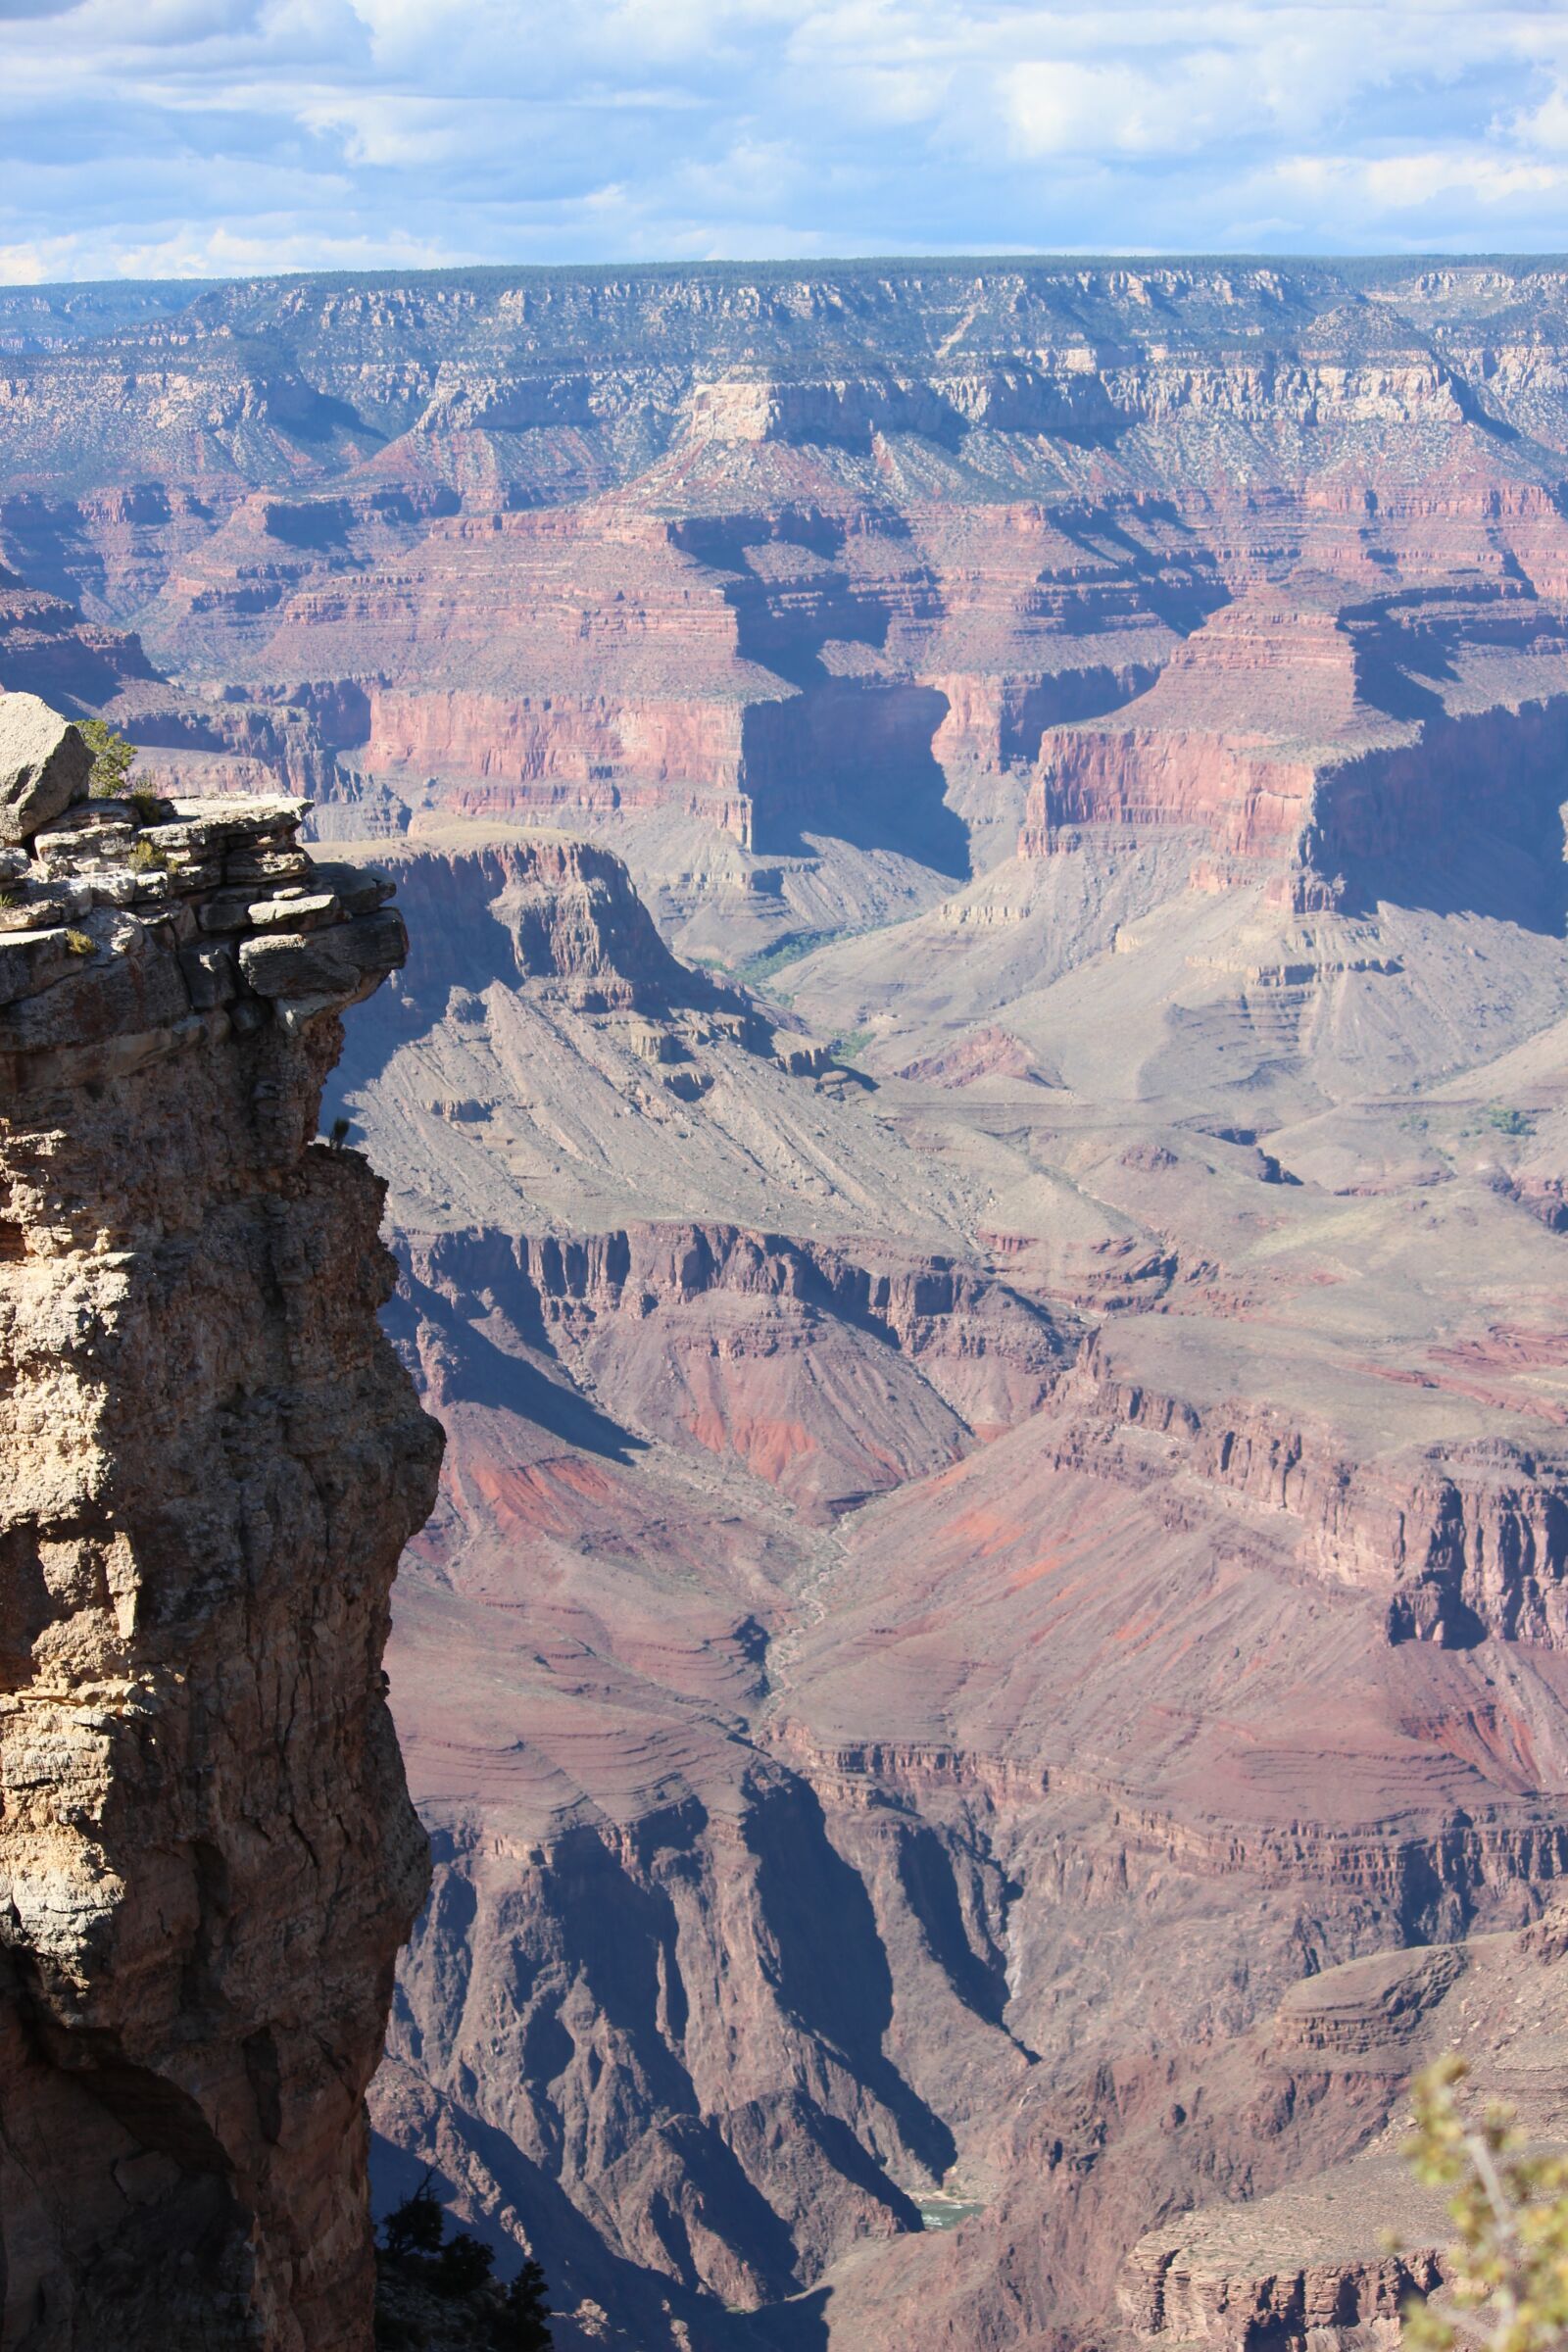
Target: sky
x=154, y=138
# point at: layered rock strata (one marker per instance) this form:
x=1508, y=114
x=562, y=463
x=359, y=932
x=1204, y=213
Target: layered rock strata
x=758, y=558
x=1299, y=735
x=1464, y=1529
x=211, y=1461
x=1330, y=2261
x=888, y=1749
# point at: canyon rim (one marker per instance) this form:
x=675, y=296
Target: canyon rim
x=972, y=1118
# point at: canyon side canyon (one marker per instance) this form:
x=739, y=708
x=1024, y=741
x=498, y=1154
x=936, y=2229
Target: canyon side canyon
x=974, y=1116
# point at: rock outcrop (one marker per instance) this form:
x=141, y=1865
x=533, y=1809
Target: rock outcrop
x=211, y=1461
x=45, y=766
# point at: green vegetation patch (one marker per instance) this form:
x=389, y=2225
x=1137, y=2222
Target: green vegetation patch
x=112, y=756
x=851, y=1047
x=758, y=970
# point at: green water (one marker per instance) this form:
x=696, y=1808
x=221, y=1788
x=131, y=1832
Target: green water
x=940, y=2209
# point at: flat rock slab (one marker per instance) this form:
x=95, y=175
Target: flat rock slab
x=324, y=964
x=308, y=913
x=240, y=812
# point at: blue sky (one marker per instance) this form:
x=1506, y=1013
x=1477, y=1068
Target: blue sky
x=213, y=137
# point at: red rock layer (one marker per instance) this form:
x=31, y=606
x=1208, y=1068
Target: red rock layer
x=1284, y=733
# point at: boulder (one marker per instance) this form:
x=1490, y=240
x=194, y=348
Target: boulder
x=375, y=943
x=307, y=912
x=44, y=765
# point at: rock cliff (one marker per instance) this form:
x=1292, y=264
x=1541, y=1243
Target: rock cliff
x=211, y=1461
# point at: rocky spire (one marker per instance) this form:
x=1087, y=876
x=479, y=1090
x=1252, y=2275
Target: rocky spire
x=210, y=1461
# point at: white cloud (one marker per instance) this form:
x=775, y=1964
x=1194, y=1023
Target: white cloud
x=1544, y=126
x=395, y=130
x=1398, y=185
x=1060, y=107
x=169, y=134
x=269, y=246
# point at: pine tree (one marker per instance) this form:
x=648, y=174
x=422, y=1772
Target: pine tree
x=416, y=2226
x=463, y=2263
x=526, y=2325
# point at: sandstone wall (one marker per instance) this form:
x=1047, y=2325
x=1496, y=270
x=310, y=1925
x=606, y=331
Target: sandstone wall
x=211, y=1460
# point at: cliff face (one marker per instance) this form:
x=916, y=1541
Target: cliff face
x=1296, y=735
x=211, y=1461
x=1464, y=1539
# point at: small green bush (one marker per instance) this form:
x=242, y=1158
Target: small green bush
x=1508, y=1122
x=145, y=859
x=80, y=944
x=112, y=756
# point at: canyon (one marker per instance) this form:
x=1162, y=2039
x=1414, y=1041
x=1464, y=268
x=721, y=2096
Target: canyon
x=975, y=1122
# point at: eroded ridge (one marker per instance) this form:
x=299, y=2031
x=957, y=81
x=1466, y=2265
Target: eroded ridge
x=208, y=1461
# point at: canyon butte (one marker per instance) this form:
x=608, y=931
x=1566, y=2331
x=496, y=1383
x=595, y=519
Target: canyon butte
x=974, y=1116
